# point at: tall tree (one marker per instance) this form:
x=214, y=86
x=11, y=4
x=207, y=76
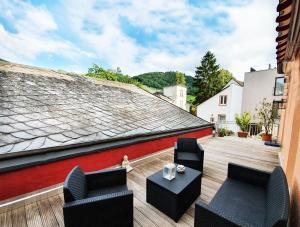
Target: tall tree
x=180, y=78
x=207, y=79
x=225, y=77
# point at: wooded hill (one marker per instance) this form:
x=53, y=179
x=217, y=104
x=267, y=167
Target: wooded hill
x=159, y=80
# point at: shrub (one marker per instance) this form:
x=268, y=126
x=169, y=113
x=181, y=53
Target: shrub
x=224, y=132
x=265, y=115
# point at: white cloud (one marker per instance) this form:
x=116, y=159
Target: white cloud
x=182, y=37
x=33, y=34
x=252, y=44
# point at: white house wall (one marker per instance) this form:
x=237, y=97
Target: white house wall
x=211, y=106
x=173, y=92
x=236, y=101
x=257, y=86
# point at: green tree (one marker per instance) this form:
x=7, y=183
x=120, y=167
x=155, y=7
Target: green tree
x=180, y=78
x=98, y=72
x=207, y=79
x=158, y=80
x=225, y=77
x=266, y=114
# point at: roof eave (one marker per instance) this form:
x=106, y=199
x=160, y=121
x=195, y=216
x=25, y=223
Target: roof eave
x=43, y=156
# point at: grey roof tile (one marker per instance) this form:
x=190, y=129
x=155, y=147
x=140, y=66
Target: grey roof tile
x=6, y=148
x=20, y=146
x=50, y=143
x=52, y=129
x=36, y=143
x=36, y=124
x=51, y=121
x=64, y=126
x=82, y=132
x=37, y=132
x=71, y=134
x=21, y=126
x=7, y=129
x=6, y=120
x=22, y=135
x=109, y=133
x=9, y=139
x=46, y=111
x=59, y=138
x=34, y=116
x=19, y=118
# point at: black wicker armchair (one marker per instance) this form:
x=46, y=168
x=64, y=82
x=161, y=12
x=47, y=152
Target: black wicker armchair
x=248, y=197
x=189, y=153
x=97, y=199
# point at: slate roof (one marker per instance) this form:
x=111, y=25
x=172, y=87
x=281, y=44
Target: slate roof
x=41, y=109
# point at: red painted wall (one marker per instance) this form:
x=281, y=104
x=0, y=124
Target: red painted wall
x=36, y=177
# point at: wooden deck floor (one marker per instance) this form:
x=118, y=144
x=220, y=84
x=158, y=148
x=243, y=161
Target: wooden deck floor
x=218, y=152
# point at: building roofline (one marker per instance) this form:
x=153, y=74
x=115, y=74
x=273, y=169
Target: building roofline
x=260, y=70
x=240, y=83
x=43, y=156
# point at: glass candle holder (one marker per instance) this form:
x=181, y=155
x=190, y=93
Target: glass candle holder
x=169, y=171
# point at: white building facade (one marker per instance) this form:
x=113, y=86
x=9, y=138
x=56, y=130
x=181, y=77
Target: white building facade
x=222, y=107
x=259, y=85
x=177, y=94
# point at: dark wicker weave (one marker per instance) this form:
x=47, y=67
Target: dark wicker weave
x=97, y=199
x=189, y=153
x=248, y=197
x=176, y=196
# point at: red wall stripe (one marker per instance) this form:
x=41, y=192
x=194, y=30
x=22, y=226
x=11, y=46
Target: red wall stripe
x=36, y=177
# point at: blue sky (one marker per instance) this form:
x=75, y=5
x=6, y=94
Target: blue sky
x=139, y=35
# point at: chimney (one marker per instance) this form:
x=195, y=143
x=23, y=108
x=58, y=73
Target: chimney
x=270, y=66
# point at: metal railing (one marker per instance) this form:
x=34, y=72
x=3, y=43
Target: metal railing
x=253, y=128
x=229, y=125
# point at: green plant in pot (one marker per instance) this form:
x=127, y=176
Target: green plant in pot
x=243, y=122
x=221, y=132
x=265, y=116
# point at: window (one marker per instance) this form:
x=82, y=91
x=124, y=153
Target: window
x=181, y=103
x=221, y=118
x=276, y=109
x=181, y=93
x=279, y=86
x=223, y=100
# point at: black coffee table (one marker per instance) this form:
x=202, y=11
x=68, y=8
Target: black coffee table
x=174, y=197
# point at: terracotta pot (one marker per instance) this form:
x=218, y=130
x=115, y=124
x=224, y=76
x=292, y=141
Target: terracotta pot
x=221, y=135
x=243, y=134
x=266, y=137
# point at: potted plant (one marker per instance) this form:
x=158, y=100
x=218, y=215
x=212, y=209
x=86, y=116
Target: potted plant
x=265, y=116
x=222, y=132
x=243, y=122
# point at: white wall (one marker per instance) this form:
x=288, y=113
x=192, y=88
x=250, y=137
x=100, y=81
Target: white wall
x=257, y=86
x=211, y=106
x=173, y=92
x=236, y=101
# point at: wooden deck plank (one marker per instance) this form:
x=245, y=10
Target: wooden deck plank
x=47, y=215
x=142, y=219
x=47, y=211
x=33, y=215
x=18, y=217
x=5, y=219
x=56, y=205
